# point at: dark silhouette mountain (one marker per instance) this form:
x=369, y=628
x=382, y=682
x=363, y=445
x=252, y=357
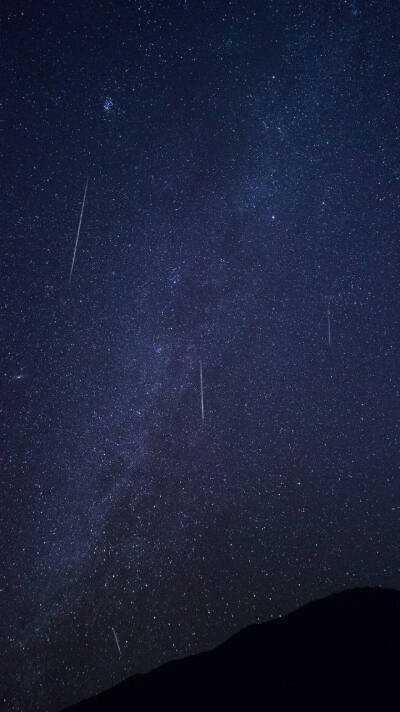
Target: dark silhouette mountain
x=340, y=652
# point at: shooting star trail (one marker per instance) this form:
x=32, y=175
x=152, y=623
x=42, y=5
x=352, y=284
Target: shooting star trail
x=201, y=392
x=329, y=326
x=329, y=298
x=116, y=640
x=78, y=231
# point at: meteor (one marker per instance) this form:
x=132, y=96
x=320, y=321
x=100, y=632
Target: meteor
x=78, y=231
x=116, y=640
x=201, y=392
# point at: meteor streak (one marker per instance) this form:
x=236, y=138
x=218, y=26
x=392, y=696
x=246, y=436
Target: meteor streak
x=78, y=231
x=201, y=392
x=329, y=325
x=116, y=640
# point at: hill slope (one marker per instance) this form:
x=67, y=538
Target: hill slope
x=341, y=651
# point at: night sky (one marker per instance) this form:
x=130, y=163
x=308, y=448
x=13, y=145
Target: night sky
x=242, y=162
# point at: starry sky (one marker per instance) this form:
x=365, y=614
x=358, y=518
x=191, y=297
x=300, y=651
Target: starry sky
x=243, y=172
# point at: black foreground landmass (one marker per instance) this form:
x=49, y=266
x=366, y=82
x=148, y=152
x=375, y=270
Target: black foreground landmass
x=341, y=652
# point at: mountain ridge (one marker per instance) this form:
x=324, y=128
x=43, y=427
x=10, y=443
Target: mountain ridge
x=338, y=650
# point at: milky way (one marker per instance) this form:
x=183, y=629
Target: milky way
x=199, y=431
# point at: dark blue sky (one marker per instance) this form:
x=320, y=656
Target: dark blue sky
x=242, y=161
